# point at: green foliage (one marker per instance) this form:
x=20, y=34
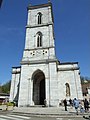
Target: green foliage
x=5, y=88
x=0, y=89
x=0, y=103
x=85, y=80
x=10, y=104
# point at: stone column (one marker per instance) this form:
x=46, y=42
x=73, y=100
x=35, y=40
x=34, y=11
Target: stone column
x=12, y=89
x=28, y=100
x=30, y=92
x=47, y=91
x=31, y=82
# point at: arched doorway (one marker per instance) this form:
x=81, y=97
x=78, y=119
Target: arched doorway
x=42, y=92
x=38, y=87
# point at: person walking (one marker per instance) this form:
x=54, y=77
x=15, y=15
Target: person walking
x=81, y=106
x=86, y=105
x=70, y=102
x=76, y=105
x=65, y=104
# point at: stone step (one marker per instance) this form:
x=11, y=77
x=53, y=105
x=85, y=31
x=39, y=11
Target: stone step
x=37, y=106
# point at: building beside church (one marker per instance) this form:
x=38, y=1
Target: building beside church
x=41, y=77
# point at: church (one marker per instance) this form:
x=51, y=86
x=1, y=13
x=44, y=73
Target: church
x=41, y=77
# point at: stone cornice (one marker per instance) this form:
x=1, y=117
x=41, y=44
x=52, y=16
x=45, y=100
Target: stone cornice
x=39, y=25
x=39, y=48
x=67, y=69
x=16, y=67
x=30, y=7
x=16, y=70
x=68, y=66
x=39, y=61
x=70, y=63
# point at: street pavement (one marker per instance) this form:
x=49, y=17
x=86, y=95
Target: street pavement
x=10, y=116
x=13, y=117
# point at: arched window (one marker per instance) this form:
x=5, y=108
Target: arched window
x=67, y=89
x=39, y=18
x=39, y=39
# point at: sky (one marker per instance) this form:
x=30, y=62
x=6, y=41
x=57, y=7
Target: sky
x=71, y=29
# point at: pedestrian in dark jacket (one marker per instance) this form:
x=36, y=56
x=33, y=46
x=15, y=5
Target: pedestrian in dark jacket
x=86, y=105
x=70, y=102
x=65, y=104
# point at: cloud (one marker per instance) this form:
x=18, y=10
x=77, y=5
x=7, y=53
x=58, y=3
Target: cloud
x=8, y=28
x=12, y=29
x=4, y=30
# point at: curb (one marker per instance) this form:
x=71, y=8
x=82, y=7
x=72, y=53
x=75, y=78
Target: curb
x=70, y=115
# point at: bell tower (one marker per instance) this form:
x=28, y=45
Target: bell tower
x=41, y=77
x=39, y=44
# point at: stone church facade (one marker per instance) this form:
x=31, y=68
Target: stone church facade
x=41, y=77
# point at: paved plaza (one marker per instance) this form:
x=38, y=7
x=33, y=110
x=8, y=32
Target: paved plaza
x=22, y=116
x=47, y=110
x=42, y=113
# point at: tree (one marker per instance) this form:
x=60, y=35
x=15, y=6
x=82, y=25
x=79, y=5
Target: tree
x=5, y=88
x=85, y=80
